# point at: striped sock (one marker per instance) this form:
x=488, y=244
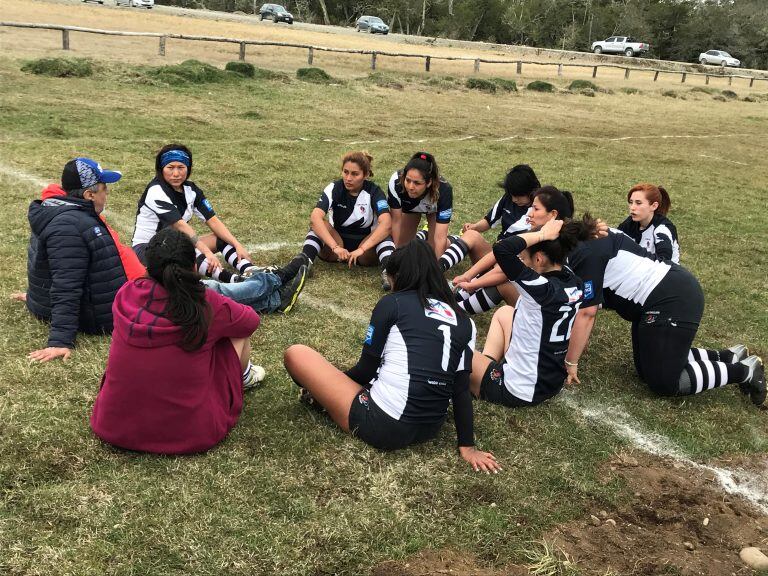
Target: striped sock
x=422, y=235
x=230, y=255
x=480, y=301
x=219, y=274
x=312, y=246
x=701, y=375
x=454, y=254
x=726, y=356
x=384, y=250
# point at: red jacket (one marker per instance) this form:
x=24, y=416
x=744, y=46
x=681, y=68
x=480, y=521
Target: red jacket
x=154, y=396
x=131, y=264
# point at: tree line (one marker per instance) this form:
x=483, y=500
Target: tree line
x=675, y=29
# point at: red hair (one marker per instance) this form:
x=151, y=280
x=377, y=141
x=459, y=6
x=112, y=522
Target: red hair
x=653, y=194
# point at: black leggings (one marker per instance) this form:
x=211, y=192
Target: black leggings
x=664, y=333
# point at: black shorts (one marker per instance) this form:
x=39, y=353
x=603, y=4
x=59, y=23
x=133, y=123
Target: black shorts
x=351, y=243
x=375, y=427
x=140, y=250
x=493, y=390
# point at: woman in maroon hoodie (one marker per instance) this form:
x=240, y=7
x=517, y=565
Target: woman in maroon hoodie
x=178, y=361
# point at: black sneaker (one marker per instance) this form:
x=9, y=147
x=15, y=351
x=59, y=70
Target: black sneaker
x=286, y=273
x=289, y=293
x=754, y=385
x=385, y=285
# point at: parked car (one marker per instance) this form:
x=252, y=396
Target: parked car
x=135, y=3
x=276, y=13
x=620, y=45
x=718, y=58
x=373, y=24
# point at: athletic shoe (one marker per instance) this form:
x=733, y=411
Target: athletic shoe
x=289, y=293
x=754, y=384
x=289, y=271
x=385, y=285
x=309, y=401
x=251, y=270
x=253, y=377
x=739, y=352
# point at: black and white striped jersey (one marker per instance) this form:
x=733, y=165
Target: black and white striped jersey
x=534, y=365
x=353, y=216
x=421, y=350
x=160, y=206
x=617, y=272
x=659, y=238
x=513, y=218
x=399, y=200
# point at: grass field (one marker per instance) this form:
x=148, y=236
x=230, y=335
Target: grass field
x=287, y=493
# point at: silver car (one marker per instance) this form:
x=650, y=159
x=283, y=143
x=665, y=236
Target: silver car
x=718, y=58
x=135, y=3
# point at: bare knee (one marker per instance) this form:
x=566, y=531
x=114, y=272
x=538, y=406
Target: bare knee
x=292, y=356
x=504, y=314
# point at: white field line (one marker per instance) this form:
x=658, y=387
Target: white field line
x=350, y=315
x=723, y=159
x=752, y=487
x=21, y=175
x=268, y=246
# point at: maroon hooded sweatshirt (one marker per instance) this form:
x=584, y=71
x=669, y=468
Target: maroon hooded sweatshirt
x=154, y=396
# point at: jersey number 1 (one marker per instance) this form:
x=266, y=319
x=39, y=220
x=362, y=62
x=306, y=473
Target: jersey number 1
x=567, y=311
x=446, y=330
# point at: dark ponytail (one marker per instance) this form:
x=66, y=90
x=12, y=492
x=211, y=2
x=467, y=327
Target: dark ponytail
x=414, y=267
x=425, y=163
x=170, y=262
x=553, y=199
x=521, y=180
x=572, y=232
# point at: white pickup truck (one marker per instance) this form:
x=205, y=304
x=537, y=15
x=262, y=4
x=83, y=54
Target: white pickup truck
x=620, y=45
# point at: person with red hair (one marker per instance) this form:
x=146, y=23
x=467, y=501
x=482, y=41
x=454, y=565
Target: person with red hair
x=647, y=223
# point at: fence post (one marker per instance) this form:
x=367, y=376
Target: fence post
x=519, y=66
x=427, y=63
x=682, y=80
x=161, y=49
x=559, y=69
x=373, y=60
x=242, y=50
x=65, y=39
x=751, y=81
x=311, y=56
x=594, y=72
x=477, y=65
x=706, y=80
x=730, y=80
x=656, y=76
x=626, y=73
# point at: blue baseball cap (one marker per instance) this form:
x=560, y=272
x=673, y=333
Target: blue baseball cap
x=83, y=173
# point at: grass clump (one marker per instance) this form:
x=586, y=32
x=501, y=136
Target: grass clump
x=383, y=80
x=252, y=115
x=629, y=90
x=730, y=94
x=60, y=67
x=540, y=86
x=704, y=90
x=481, y=84
x=443, y=82
x=505, y=85
x=316, y=75
x=673, y=94
x=189, y=72
x=243, y=68
x=719, y=98
x=577, y=85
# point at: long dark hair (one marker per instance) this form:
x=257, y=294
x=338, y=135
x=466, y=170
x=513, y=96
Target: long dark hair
x=553, y=199
x=414, y=267
x=425, y=163
x=170, y=262
x=572, y=232
x=166, y=148
x=521, y=180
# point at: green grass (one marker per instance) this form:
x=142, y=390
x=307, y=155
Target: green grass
x=288, y=493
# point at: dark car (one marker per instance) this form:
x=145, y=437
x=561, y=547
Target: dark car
x=276, y=13
x=372, y=24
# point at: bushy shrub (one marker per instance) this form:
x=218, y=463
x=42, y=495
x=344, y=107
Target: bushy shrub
x=582, y=85
x=504, y=84
x=629, y=90
x=316, y=75
x=729, y=94
x=189, y=72
x=539, y=86
x=243, y=68
x=59, y=67
x=481, y=84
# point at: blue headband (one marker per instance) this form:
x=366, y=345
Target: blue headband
x=175, y=156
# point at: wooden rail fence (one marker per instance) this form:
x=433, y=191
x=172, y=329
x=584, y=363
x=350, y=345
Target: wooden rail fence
x=374, y=54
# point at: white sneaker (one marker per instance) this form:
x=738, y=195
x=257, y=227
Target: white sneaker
x=253, y=377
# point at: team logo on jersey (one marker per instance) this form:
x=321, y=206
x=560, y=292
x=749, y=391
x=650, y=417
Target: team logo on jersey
x=97, y=231
x=381, y=205
x=589, y=291
x=362, y=208
x=495, y=375
x=207, y=204
x=446, y=214
x=363, y=398
x=573, y=294
x=369, y=335
x=651, y=317
x=440, y=311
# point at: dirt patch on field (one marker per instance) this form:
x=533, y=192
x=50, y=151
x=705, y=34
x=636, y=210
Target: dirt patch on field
x=442, y=562
x=678, y=521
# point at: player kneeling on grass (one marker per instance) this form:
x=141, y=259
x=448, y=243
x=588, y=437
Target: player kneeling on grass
x=523, y=362
x=179, y=358
x=416, y=358
x=359, y=225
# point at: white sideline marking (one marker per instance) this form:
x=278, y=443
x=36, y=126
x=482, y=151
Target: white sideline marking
x=676, y=136
x=267, y=246
x=750, y=486
x=21, y=175
x=723, y=160
x=350, y=315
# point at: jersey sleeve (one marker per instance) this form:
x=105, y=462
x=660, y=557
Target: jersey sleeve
x=157, y=201
x=465, y=362
x=588, y=265
x=326, y=199
x=494, y=214
x=506, y=252
x=202, y=205
x=378, y=201
x=445, y=204
x=393, y=192
x=626, y=226
x=663, y=241
x=383, y=318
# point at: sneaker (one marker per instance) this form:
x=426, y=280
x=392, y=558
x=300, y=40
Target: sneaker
x=385, y=285
x=251, y=270
x=253, y=377
x=289, y=293
x=739, y=351
x=286, y=273
x=754, y=385
x=309, y=401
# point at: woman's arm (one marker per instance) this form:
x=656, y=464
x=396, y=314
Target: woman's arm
x=493, y=277
x=464, y=419
x=373, y=239
x=483, y=265
x=582, y=329
x=438, y=235
x=181, y=226
x=481, y=225
x=319, y=227
x=222, y=232
x=397, y=218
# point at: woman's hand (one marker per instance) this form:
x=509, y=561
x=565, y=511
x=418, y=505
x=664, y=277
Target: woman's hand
x=602, y=228
x=551, y=230
x=50, y=353
x=353, y=256
x=467, y=226
x=213, y=263
x=479, y=460
x=461, y=278
x=342, y=254
x=466, y=286
x=573, y=374
x=242, y=253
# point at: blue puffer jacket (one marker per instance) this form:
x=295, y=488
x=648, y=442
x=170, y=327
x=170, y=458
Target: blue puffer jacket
x=73, y=267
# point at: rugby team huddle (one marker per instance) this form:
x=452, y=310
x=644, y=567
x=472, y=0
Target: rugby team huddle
x=179, y=357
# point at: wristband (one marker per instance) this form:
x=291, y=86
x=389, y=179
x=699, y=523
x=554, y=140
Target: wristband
x=194, y=239
x=571, y=364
